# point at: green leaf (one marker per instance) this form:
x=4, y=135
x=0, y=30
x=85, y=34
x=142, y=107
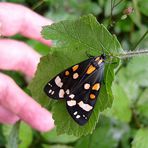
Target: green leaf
x=54, y=138
x=106, y=135
x=25, y=135
x=85, y=33
x=136, y=70
x=130, y=87
x=56, y=146
x=13, y=138
x=75, y=38
x=140, y=140
x=2, y=137
x=120, y=104
x=143, y=6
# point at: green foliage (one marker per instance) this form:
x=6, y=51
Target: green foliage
x=106, y=135
x=140, y=140
x=25, y=135
x=74, y=42
x=11, y=132
x=120, y=104
x=126, y=122
x=54, y=138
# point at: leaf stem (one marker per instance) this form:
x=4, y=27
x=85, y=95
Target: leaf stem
x=144, y=35
x=133, y=53
x=38, y=4
x=113, y=5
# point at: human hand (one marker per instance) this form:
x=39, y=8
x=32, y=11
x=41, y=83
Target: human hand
x=15, y=55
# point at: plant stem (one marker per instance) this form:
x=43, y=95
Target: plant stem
x=133, y=53
x=117, y=3
x=144, y=35
x=38, y=4
x=113, y=5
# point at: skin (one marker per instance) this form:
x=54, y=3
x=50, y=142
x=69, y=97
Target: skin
x=16, y=55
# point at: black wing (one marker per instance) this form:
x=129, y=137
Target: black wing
x=81, y=101
x=65, y=82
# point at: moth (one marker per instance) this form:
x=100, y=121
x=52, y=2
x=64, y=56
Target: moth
x=79, y=85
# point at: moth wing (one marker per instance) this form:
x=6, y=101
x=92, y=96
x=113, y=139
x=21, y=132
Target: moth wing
x=63, y=83
x=80, y=103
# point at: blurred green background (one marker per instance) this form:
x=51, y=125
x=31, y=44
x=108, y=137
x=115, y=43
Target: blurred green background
x=125, y=125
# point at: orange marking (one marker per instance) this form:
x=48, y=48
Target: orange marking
x=74, y=68
x=66, y=73
x=92, y=96
x=90, y=69
x=96, y=86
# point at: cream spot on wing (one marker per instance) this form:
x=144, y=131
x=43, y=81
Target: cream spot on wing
x=86, y=86
x=75, y=75
x=75, y=112
x=71, y=103
x=78, y=116
x=58, y=82
x=71, y=96
x=50, y=91
x=61, y=93
x=84, y=106
x=67, y=91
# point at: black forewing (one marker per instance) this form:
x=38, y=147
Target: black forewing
x=83, y=95
x=52, y=90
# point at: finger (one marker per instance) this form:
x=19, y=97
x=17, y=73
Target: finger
x=23, y=21
x=16, y=55
x=7, y=117
x=19, y=103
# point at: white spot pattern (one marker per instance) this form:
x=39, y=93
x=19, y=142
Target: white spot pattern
x=78, y=116
x=67, y=91
x=84, y=106
x=71, y=96
x=75, y=112
x=61, y=93
x=75, y=75
x=71, y=103
x=86, y=86
x=58, y=82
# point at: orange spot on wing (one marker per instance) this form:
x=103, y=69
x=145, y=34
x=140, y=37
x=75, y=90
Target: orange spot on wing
x=90, y=69
x=67, y=73
x=96, y=86
x=92, y=96
x=74, y=68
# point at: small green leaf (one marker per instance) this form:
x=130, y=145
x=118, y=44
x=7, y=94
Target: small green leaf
x=140, y=140
x=120, y=104
x=54, y=138
x=143, y=6
x=106, y=135
x=75, y=38
x=25, y=135
x=13, y=137
x=56, y=146
x=2, y=137
x=137, y=71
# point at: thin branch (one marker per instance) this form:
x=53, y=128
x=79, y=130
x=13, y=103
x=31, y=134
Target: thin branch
x=133, y=53
x=144, y=35
x=113, y=5
x=38, y=4
x=117, y=3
